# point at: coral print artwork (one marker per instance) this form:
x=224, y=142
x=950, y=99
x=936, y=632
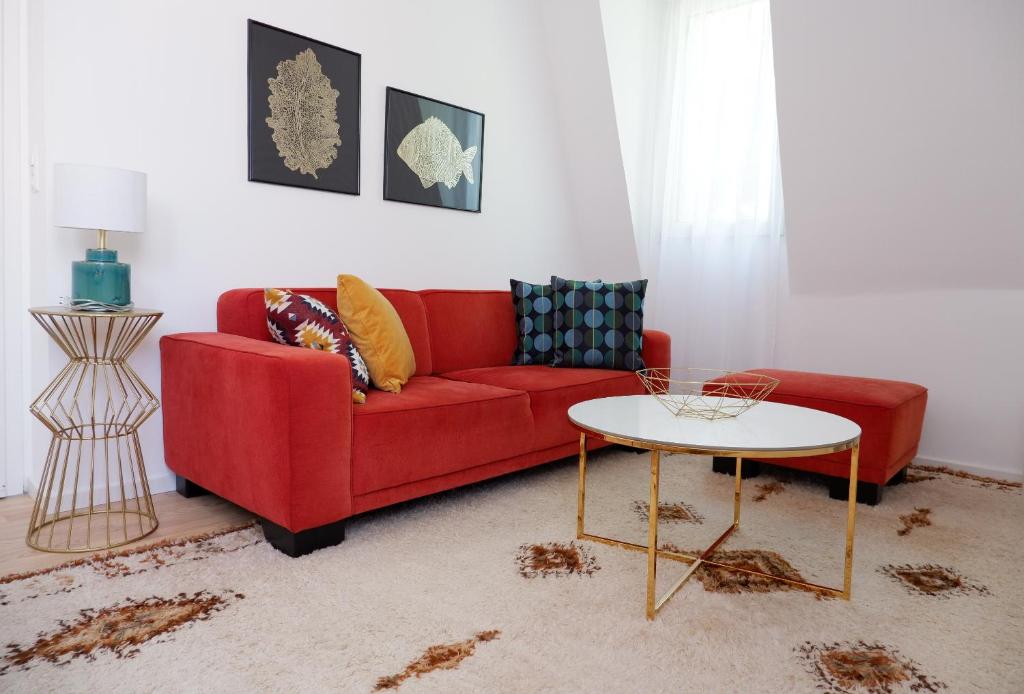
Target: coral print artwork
x=303, y=111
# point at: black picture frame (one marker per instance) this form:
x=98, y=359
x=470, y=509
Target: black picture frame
x=268, y=48
x=405, y=111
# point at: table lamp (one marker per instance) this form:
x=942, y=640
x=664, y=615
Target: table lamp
x=104, y=199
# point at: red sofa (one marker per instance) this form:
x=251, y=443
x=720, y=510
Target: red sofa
x=273, y=429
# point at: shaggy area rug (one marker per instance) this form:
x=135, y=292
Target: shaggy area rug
x=485, y=589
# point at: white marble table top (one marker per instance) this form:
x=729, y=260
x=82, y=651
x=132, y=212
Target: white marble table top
x=765, y=428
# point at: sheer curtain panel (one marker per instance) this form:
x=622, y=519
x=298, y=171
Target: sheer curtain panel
x=694, y=94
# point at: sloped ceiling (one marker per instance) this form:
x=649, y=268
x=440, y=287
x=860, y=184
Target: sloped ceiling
x=901, y=129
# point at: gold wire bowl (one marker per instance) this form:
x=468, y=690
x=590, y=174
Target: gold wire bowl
x=706, y=393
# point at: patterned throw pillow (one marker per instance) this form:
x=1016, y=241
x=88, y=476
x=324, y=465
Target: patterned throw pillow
x=302, y=321
x=600, y=324
x=535, y=327
x=538, y=319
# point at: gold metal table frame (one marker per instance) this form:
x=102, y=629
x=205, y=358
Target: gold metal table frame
x=93, y=493
x=655, y=603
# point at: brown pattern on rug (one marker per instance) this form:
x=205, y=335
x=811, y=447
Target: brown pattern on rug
x=68, y=576
x=555, y=559
x=766, y=490
x=933, y=580
x=445, y=656
x=920, y=518
x=719, y=580
x=845, y=668
x=980, y=480
x=119, y=629
x=678, y=512
x=913, y=477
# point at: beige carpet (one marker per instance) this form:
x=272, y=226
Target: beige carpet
x=485, y=590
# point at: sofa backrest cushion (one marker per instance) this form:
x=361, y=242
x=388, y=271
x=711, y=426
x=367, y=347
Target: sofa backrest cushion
x=242, y=312
x=469, y=328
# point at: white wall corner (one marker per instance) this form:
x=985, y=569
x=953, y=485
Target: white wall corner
x=18, y=65
x=592, y=157
x=159, y=483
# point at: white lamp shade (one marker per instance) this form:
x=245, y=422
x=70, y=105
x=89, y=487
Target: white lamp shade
x=99, y=197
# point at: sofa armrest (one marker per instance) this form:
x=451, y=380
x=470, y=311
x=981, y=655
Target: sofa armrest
x=264, y=425
x=657, y=349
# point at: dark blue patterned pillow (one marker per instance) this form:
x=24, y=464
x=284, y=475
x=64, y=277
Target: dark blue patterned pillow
x=535, y=330
x=600, y=325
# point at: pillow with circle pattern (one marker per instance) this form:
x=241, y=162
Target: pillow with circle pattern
x=302, y=321
x=600, y=324
x=537, y=321
x=535, y=329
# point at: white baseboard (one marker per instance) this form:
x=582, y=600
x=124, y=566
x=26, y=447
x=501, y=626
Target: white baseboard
x=162, y=483
x=973, y=469
x=158, y=484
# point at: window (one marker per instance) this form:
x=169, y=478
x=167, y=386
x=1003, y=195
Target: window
x=723, y=140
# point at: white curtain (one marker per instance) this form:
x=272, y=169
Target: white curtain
x=695, y=105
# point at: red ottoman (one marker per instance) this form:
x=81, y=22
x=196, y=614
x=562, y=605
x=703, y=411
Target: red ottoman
x=890, y=415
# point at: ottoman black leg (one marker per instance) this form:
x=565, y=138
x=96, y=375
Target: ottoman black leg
x=867, y=492
x=727, y=466
x=187, y=488
x=899, y=478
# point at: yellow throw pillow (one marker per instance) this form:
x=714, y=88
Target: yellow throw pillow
x=378, y=333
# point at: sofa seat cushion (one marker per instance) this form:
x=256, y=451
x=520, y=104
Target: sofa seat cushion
x=552, y=392
x=433, y=427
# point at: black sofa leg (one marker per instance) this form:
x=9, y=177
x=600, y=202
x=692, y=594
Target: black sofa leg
x=867, y=492
x=187, y=488
x=304, y=541
x=727, y=466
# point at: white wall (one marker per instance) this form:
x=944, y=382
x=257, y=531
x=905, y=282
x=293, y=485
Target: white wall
x=589, y=153
x=900, y=126
x=964, y=345
x=897, y=151
x=21, y=146
x=902, y=160
x=161, y=87
x=635, y=40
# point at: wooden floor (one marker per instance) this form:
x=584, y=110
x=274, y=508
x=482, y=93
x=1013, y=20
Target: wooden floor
x=178, y=517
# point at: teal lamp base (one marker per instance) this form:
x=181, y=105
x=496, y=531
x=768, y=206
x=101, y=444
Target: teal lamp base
x=100, y=280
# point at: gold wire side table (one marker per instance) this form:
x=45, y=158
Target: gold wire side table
x=93, y=493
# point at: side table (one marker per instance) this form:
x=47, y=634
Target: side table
x=93, y=493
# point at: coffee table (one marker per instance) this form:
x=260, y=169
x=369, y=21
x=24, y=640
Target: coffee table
x=768, y=430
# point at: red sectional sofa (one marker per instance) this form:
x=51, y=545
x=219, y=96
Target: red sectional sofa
x=273, y=429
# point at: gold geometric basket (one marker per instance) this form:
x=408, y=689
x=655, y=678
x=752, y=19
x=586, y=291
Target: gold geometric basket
x=706, y=393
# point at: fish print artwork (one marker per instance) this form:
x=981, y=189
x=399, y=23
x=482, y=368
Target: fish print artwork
x=433, y=152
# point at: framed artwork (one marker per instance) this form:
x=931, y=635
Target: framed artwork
x=303, y=111
x=433, y=152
